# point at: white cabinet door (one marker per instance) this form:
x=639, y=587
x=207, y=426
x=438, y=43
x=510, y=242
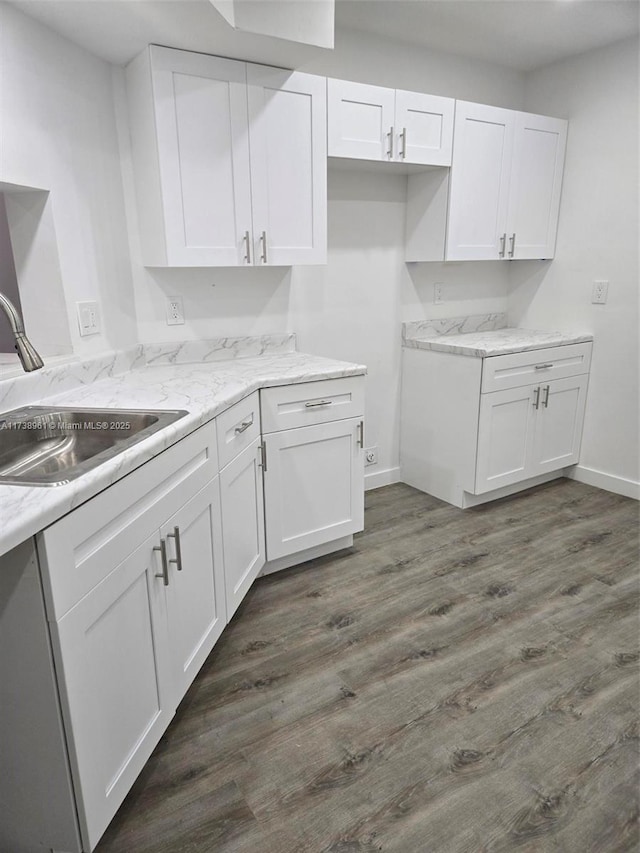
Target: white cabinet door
x=242, y=524
x=196, y=608
x=360, y=120
x=115, y=684
x=536, y=179
x=505, y=438
x=559, y=424
x=313, y=482
x=424, y=128
x=203, y=153
x=479, y=193
x=287, y=129
x=530, y=430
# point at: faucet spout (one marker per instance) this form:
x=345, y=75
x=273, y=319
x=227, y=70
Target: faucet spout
x=27, y=353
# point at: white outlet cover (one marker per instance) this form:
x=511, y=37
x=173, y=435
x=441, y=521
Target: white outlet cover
x=88, y=318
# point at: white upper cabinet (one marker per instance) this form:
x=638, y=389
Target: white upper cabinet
x=505, y=184
x=374, y=123
x=287, y=121
x=424, y=128
x=203, y=200
x=536, y=181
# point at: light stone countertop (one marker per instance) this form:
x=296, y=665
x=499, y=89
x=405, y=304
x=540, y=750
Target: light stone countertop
x=482, y=336
x=204, y=389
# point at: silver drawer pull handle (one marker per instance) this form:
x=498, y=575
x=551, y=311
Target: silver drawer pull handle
x=263, y=240
x=162, y=547
x=545, y=402
x=318, y=403
x=503, y=242
x=390, y=148
x=176, y=535
x=247, y=241
x=403, y=137
x=536, y=398
x=243, y=426
x=543, y=366
x=360, y=439
x=512, y=248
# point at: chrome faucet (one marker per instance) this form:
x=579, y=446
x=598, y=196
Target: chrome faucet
x=27, y=354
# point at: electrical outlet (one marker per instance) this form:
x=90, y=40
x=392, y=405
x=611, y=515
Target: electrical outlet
x=371, y=456
x=600, y=292
x=175, y=311
x=88, y=318
x=438, y=293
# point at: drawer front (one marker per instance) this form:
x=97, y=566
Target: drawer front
x=528, y=368
x=293, y=406
x=80, y=550
x=237, y=428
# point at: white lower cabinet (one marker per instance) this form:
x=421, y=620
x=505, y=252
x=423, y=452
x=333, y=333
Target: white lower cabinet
x=196, y=611
x=113, y=659
x=471, y=427
x=135, y=595
x=139, y=582
x=314, y=474
x=528, y=431
x=129, y=650
x=242, y=523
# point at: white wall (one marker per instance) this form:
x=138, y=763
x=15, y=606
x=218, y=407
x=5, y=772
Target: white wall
x=8, y=282
x=59, y=134
x=352, y=307
x=597, y=239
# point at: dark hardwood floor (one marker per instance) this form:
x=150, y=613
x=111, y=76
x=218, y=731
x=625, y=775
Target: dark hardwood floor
x=457, y=681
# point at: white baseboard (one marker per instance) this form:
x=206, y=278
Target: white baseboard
x=381, y=478
x=619, y=485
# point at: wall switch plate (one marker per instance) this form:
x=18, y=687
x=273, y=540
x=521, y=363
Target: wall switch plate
x=600, y=292
x=88, y=318
x=175, y=311
x=371, y=456
x=438, y=293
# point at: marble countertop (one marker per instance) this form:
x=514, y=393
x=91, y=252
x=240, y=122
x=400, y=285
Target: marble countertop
x=481, y=340
x=204, y=389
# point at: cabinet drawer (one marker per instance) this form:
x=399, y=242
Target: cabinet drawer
x=237, y=428
x=528, y=368
x=85, y=546
x=292, y=406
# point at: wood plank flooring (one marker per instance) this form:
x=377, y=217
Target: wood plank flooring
x=457, y=681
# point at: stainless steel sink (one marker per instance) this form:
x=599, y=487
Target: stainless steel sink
x=49, y=446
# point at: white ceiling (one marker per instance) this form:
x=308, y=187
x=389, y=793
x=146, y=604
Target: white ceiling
x=521, y=34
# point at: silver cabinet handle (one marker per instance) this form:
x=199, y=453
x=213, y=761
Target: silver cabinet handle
x=263, y=456
x=545, y=402
x=263, y=240
x=162, y=547
x=503, y=245
x=176, y=535
x=312, y=405
x=543, y=366
x=512, y=247
x=390, y=148
x=360, y=439
x=243, y=426
x=403, y=137
x=536, y=398
x=247, y=240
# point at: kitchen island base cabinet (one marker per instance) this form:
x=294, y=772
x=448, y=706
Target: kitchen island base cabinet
x=477, y=429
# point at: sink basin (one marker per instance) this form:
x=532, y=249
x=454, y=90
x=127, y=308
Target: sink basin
x=49, y=446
